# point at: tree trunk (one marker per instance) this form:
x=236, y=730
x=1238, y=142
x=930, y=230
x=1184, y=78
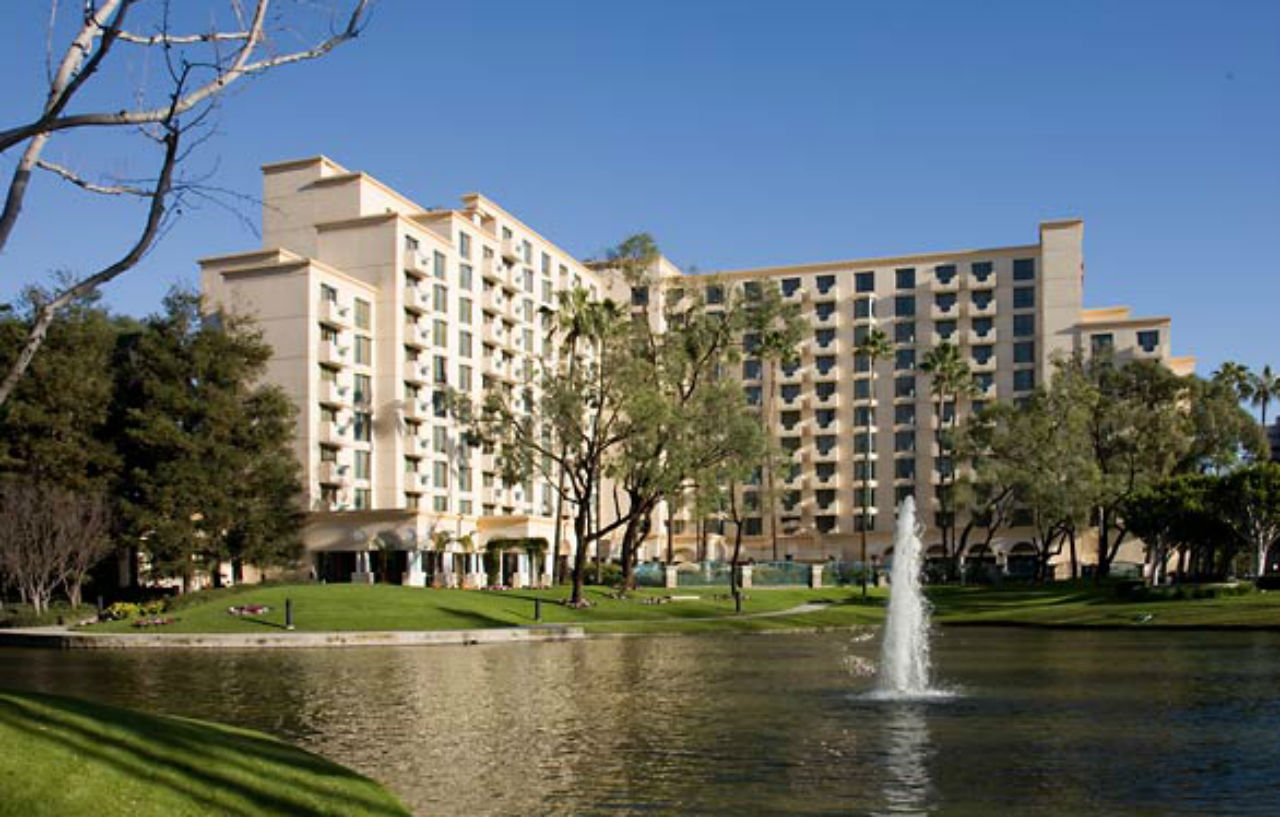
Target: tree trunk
x=74, y=588
x=628, y=552
x=1103, y=567
x=1262, y=560
x=768, y=462
x=1075, y=561
x=581, y=526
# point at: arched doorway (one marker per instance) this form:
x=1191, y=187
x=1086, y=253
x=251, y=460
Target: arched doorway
x=980, y=565
x=1023, y=562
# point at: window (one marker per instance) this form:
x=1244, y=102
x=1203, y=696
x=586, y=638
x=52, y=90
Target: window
x=979, y=406
x=904, y=332
x=825, y=391
x=440, y=369
x=861, y=363
x=464, y=310
x=364, y=350
x=715, y=294
x=865, y=282
x=904, y=306
x=904, y=468
x=867, y=523
x=361, y=496
x=904, y=360
x=363, y=320
x=753, y=395
x=904, y=414
x=464, y=245
x=945, y=301
x=440, y=298
x=752, y=291
x=789, y=420
x=440, y=440
x=981, y=271
x=1102, y=344
x=945, y=329
x=944, y=273
x=864, y=444
x=363, y=426
x=901, y=492
x=438, y=264
x=863, y=417
x=984, y=381
x=440, y=474
x=363, y=389
x=464, y=378
x=862, y=389
x=825, y=310
x=790, y=286
x=1024, y=297
x=753, y=526
x=546, y=264
x=1024, y=269
x=825, y=283
x=1023, y=326
x=751, y=369
x=1149, y=339
x=863, y=470
x=825, y=443
x=824, y=337
x=750, y=342
x=464, y=276
x=440, y=333
x=639, y=296
x=363, y=461
x=905, y=278
x=904, y=386
x=904, y=441
x=464, y=343
x=982, y=326
x=864, y=308
x=825, y=363
x=983, y=354
x=328, y=293
x=328, y=453
x=1024, y=379
x=548, y=291
x=983, y=298
x=790, y=392
x=825, y=471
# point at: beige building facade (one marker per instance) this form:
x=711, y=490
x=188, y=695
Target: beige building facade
x=376, y=307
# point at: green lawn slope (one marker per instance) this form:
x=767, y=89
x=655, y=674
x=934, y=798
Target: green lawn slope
x=66, y=758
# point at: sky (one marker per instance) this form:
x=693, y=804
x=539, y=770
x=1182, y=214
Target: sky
x=747, y=134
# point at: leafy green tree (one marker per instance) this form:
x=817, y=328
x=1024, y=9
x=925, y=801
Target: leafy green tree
x=1235, y=377
x=208, y=472
x=1223, y=434
x=1250, y=504
x=54, y=430
x=873, y=348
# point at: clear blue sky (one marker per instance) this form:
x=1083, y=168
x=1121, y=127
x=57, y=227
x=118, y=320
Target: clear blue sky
x=744, y=134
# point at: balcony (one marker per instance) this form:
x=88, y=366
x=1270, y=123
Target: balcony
x=826, y=454
x=334, y=354
x=511, y=250
x=334, y=394
x=416, y=299
x=333, y=434
x=331, y=473
x=950, y=285
x=417, y=408
x=987, y=281
x=990, y=336
x=416, y=371
x=942, y=313
x=984, y=309
x=417, y=261
x=987, y=365
x=415, y=446
x=334, y=313
x=416, y=335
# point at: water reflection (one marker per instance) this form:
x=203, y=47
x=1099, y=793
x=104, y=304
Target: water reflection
x=905, y=783
x=1077, y=723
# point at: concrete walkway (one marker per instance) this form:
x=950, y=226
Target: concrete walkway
x=67, y=639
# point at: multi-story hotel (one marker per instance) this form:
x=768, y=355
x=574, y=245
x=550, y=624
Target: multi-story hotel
x=376, y=306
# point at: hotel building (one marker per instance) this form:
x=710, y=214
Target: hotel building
x=376, y=306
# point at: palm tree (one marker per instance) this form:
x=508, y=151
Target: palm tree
x=949, y=377
x=1235, y=376
x=873, y=348
x=1263, y=388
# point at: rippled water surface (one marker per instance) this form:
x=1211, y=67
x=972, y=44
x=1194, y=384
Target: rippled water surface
x=1043, y=723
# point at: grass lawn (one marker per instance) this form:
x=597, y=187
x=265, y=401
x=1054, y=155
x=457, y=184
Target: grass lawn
x=384, y=607
x=387, y=607
x=68, y=757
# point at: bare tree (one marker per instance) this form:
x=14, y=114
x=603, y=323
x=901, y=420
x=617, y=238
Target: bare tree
x=50, y=538
x=199, y=68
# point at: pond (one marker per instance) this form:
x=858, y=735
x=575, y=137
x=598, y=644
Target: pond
x=1042, y=722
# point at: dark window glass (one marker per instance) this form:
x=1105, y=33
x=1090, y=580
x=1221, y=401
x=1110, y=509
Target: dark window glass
x=904, y=332
x=864, y=308
x=1024, y=379
x=945, y=329
x=904, y=306
x=790, y=286
x=750, y=370
x=1102, y=344
x=865, y=282
x=862, y=389
x=1024, y=351
x=753, y=526
x=983, y=353
x=904, y=414
x=825, y=283
x=1024, y=297
x=905, y=278
x=1024, y=269
x=639, y=296
x=904, y=441
x=944, y=273
x=904, y=468
x=824, y=337
x=904, y=359
x=982, y=326
x=981, y=270
x=825, y=363
x=825, y=310
x=715, y=294
x=1149, y=340
x=1023, y=326
x=904, y=387
x=790, y=392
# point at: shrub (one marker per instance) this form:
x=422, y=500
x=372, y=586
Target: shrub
x=610, y=574
x=122, y=610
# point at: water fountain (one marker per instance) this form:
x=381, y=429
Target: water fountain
x=904, y=653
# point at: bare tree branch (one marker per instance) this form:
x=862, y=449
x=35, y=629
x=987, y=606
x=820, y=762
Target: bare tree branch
x=92, y=187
